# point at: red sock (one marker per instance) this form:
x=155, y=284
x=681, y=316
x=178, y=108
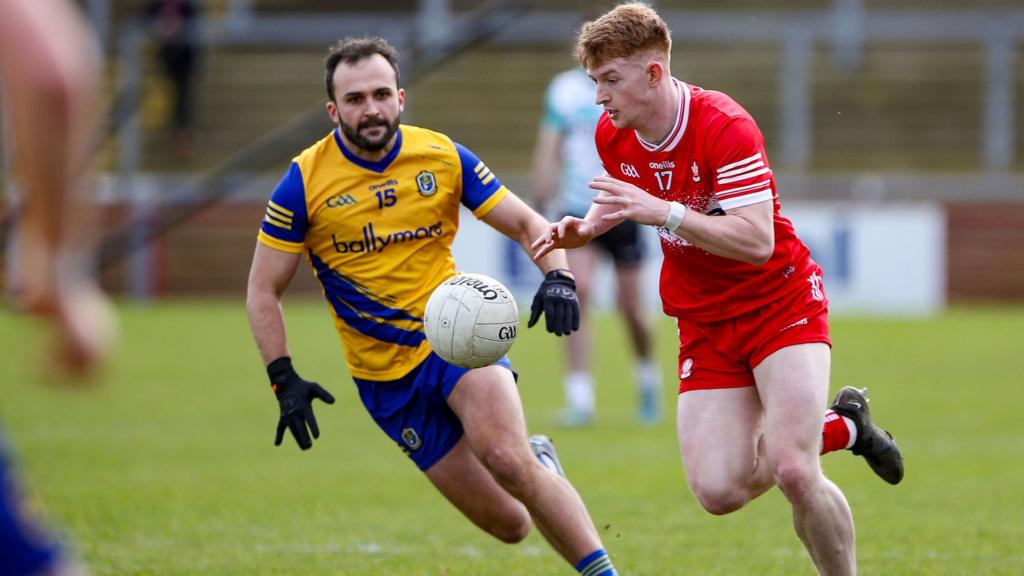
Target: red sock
x=835, y=435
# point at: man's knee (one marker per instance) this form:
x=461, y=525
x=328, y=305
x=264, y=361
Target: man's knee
x=512, y=529
x=633, y=313
x=795, y=477
x=512, y=473
x=720, y=498
x=508, y=467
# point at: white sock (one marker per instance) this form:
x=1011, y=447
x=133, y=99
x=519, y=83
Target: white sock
x=853, y=432
x=579, y=391
x=647, y=375
x=547, y=462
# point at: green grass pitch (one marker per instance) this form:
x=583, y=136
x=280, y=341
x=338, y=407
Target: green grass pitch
x=168, y=468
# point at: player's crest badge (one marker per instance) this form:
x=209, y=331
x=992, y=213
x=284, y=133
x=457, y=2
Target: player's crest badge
x=411, y=438
x=696, y=171
x=427, y=183
x=686, y=370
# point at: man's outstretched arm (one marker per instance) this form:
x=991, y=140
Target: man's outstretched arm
x=572, y=232
x=745, y=233
x=556, y=297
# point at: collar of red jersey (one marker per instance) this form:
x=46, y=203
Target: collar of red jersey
x=678, y=129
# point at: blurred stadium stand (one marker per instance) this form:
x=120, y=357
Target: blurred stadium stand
x=859, y=100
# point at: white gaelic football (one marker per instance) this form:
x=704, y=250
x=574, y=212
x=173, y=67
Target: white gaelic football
x=471, y=320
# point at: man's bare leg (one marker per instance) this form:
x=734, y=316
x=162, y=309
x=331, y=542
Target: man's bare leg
x=793, y=384
x=487, y=403
x=720, y=434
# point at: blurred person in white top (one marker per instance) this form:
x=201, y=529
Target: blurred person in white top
x=564, y=162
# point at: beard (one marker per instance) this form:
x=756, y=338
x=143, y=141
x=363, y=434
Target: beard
x=355, y=136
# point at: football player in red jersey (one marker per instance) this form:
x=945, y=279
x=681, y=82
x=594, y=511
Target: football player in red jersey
x=754, y=351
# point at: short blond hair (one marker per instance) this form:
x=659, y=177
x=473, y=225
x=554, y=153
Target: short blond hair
x=625, y=31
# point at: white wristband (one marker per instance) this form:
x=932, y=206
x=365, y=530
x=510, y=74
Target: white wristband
x=676, y=213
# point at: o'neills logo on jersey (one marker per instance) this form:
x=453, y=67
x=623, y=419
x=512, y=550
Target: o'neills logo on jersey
x=389, y=184
x=371, y=242
x=486, y=290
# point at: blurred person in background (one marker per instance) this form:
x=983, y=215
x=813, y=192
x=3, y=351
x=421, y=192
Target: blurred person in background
x=374, y=207
x=564, y=162
x=754, y=346
x=175, y=27
x=49, y=71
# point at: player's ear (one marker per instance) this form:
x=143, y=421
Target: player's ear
x=401, y=99
x=655, y=72
x=332, y=111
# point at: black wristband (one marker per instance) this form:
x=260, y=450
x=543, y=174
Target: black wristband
x=279, y=370
x=561, y=274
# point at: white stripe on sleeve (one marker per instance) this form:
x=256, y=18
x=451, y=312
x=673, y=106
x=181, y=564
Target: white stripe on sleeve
x=748, y=188
x=744, y=176
x=739, y=163
x=746, y=200
x=738, y=171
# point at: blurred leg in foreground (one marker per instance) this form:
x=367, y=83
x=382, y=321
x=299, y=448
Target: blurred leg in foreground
x=49, y=71
x=49, y=66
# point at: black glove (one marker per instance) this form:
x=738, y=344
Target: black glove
x=556, y=298
x=295, y=396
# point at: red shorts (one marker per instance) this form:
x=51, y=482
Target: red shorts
x=723, y=354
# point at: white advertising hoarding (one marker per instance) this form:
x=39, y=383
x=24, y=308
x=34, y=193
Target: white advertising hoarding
x=878, y=258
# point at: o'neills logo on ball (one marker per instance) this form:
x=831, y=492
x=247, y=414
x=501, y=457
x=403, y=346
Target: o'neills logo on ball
x=486, y=290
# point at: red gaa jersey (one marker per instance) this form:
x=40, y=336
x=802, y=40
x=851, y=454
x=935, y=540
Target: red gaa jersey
x=713, y=160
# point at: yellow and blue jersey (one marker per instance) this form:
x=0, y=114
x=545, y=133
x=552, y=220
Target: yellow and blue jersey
x=379, y=236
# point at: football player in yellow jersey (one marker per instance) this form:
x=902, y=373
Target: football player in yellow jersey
x=374, y=208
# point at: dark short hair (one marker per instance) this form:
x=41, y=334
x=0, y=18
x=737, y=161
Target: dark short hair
x=352, y=49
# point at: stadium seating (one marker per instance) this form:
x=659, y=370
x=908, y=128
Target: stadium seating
x=907, y=107
x=880, y=116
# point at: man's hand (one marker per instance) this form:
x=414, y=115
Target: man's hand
x=629, y=202
x=295, y=396
x=569, y=232
x=556, y=298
